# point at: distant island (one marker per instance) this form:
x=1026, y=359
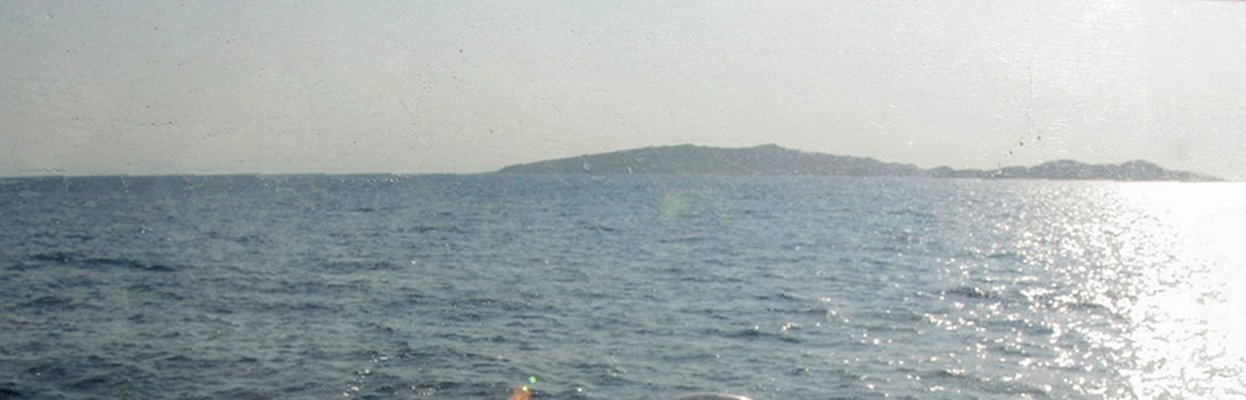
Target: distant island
x=774, y=160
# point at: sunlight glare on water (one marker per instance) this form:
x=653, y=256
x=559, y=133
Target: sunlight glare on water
x=643, y=288
x=1186, y=320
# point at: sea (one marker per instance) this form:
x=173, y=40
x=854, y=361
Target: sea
x=619, y=287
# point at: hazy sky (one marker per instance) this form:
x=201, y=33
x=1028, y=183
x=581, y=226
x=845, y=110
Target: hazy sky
x=158, y=87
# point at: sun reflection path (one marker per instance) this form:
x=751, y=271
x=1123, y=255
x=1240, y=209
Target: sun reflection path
x=1188, y=320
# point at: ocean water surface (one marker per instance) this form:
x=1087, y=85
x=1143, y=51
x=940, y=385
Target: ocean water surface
x=619, y=287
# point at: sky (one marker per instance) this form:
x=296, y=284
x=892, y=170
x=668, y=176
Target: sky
x=163, y=87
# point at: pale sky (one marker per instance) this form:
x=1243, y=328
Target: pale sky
x=158, y=87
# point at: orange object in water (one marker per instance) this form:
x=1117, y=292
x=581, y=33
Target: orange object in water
x=520, y=392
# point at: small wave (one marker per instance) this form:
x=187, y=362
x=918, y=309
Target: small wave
x=962, y=377
x=486, y=303
x=1070, y=303
x=7, y=393
x=95, y=382
x=409, y=297
x=572, y=393
x=971, y=292
x=183, y=362
x=779, y=297
x=349, y=266
x=946, y=374
x=433, y=229
x=453, y=389
x=379, y=385
x=684, y=240
x=601, y=370
x=158, y=291
x=48, y=302
x=131, y=264
x=1013, y=389
x=55, y=256
x=78, y=259
x=241, y=393
x=249, y=239
x=469, y=338
x=1086, y=306
x=379, y=328
x=313, y=307
x=755, y=333
x=432, y=354
x=1004, y=255
x=600, y=228
x=47, y=371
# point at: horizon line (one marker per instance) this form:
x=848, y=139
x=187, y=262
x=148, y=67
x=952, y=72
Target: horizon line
x=497, y=170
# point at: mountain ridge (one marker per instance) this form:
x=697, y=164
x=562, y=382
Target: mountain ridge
x=771, y=159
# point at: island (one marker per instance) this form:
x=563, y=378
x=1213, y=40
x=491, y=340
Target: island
x=772, y=159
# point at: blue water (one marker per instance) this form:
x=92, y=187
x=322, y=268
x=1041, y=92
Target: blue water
x=620, y=287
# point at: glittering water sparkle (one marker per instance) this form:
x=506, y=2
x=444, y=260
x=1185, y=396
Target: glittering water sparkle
x=619, y=287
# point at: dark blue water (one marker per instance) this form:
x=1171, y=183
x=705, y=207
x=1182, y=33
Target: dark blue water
x=625, y=287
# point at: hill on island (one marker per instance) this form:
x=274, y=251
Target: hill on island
x=774, y=160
